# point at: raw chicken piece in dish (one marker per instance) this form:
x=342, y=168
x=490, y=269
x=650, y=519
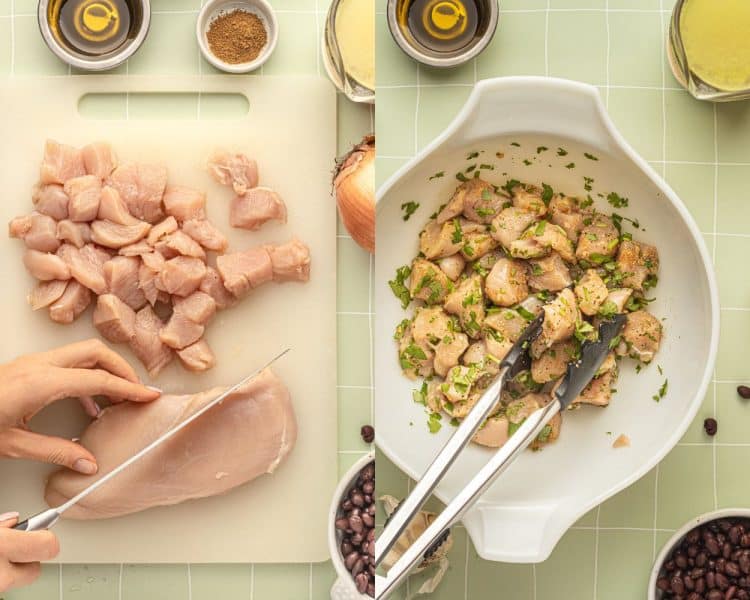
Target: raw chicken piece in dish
x=45, y=293
x=45, y=266
x=99, y=159
x=71, y=304
x=236, y=170
x=38, y=232
x=141, y=187
x=60, y=163
x=256, y=207
x=114, y=319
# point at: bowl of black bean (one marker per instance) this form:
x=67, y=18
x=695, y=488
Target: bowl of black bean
x=708, y=558
x=351, y=533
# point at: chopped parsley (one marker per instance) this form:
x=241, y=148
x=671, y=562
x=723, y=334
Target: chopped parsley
x=544, y=434
x=616, y=200
x=526, y=314
x=608, y=309
x=562, y=152
x=401, y=329
x=584, y=331
x=487, y=167
x=433, y=422
x=470, y=168
x=662, y=391
x=587, y=181
x=516, y=144
x=541, y=149
x=570, y=165
x=458, y=233
x=638, y=302
x=527, y=162
x=650, y=282
x=472, y=155
x=590, y=156
x=437, y=175
x=658, y=368
x=513, y=427
x=540, y=227
x=547, y=193
x=409, y=209
x=510, y=184
x=587, y=202
x=420, y=396
x=461, y=177
x=397, y=285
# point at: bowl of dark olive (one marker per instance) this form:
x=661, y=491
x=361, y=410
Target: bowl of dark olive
x=707, y=558
x=351, y=532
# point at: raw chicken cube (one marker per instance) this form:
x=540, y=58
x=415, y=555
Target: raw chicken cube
x=598, y=392
x=448, y=351
x=39, y=232
x=162, y=229
x=203, y=232
x=99, y=159
x=508, y=226
x=565, y=212
x=51, y=200
x=113, y=208
x=121, y=275
x=290, y=261
x=184, y=203
x=553, y=362
x=146, y=344
x=256, y=207
x=550, y=273
x=427, y=282
x=475, y=199
x=452, y=266
x=243, y=271
x=74, y=300
x=181, y=275
x=114, y=319
x=467, y=302
x=113, y=235
x=147, y=283
x=153, y=260
x=591, y=292
x=45, y=293
x=45, y=266
x=637, y=262
x=197, y=356
x=641, y=336
x=439, y=241
x=141, y=187
x=199, y=307
x=506, y=283
x=560, y=318
x=60, y=163
x=78, y=234
x=598, y=240
x=529, y=197
x=236, y=170
x=180, y=331
x=213, y=285
x=140, y=248
x=86, y=266
x=180, y=244
x=84, y=193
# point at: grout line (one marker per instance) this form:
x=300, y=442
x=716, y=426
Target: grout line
x=416, y=114
x=310, y=582
x=713, y=452
x=60, y=581
x=319, y=46
x=370, y=277
x=354, y=387
x=354, y=313
x=607, y=78
x=533, y=580
x=468, y=85
x=252, y=581
x=716, y=183
x=466, y=566
x=656, y=505
x=119, y=584
x=596, y=549
x=190, y=582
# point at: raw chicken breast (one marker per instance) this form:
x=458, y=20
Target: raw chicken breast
x=114, y=319
x=255, y=207
x=248, y=435
x=180, y=244
x=181, y=275
x=153, y=260
x=146, y=344
x=197, y=357
x=39, y=232
x=86, y=266
x=214, y=287
x=138, y=249
x=45, y=266
x=71, y=304
x=45, y=293
x=180, y=331
x=236, y=170
x=199, y=307
x=112, y=235
x=99, y=159
x=141, y=187
x=84, y=193
x=78, y=234
x=121, y=275
x=290, y=261
x=51, y=200
x=60, y=163
x=243, y=271
x=113, y=208
x=164, y=228
x=184, y=203
x=205, y=234
x=147, y=283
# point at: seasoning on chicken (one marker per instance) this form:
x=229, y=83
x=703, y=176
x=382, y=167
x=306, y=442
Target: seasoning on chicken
x=467, y=302
x=203, y=232
x=113, y=208
x=179, y=244
x=197, y=356
x=540, y=239
x=641, y=336
x=598, y=240
x=141, y=186
x=439, y=241
x=74, y=300
x=256, y=207
x=236, y=170
x=181, y=275
x=45, y=293
x=213, y=285
x=550, y=274
x=475, y=199
x=60, y=163
x=560, y=318
x=86, y=266
x=45, y=266
x=184, y=203
x=113, y=235
x=452, y=266
x=99, y=159
x=415, y=359
x=448, y=352
x=506, y=283
x=289, y=261
x=619, y=298
x=114, y=319
x=637, y=262
x=598, y=392
x=591, y=292
x=161, y=230
x=428, y=282
x=122, y=276
x=510, y=224
x=494, y=433
x=430, y=325
x=553, y=362
x=38, y=232
x=146, y=345
x=529, y=198
x=243, y=271
x=507, y=322
x=565, y=212
x=477, y=240
x=84, y=193
x=51, y=200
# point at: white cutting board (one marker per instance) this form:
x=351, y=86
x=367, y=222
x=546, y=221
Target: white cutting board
x=291, y=131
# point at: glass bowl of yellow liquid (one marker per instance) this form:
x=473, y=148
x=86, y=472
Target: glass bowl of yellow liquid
x=709, y=48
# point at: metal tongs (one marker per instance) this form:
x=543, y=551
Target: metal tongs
x=577, y=377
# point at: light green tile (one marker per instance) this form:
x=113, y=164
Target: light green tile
x=461, y=74
x=624, y=564
x=281, y=582
x=732, y=414
x=695, y=433
x=24, y=7
x=154, y=582
x=394, y=115
x=323, y=576
x=638, y=116
x=694, y=185
x=634, y=4
x=90, y=582
x=690, y=128
x=452, y=585
x=583, y=4
x=486, y=580
x=587, y=520
x=206, y=68
x=437, y=108
x=685, y=485
x=163, y=106
x=733, y=216
x=731, y=479
x=354, y=274
x=300, y=5
x=228, y=582
x=353, y=351
x=5, y=46
x=731, y=262
x=32, y=57
x=354, y=121
x=47, y=587
x=574, y=553
x=298, y=46
x=507, y=5
x=635, y=63
x=632, y=507
x=732, y=361
x=223, y=106
x=5, y=8
x=385, y=167
x=576, y=42
x=346, y=460
x=391, y=481
x=171, y=5
x=733, y=130
x=354, y=412
x=170, y=48
x=392, y=65
x=516, y=49
x=103, y=106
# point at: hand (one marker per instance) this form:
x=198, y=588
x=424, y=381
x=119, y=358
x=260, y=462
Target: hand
x=21, y=551
x=30, y=383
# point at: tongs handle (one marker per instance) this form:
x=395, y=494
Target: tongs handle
x=456, y=509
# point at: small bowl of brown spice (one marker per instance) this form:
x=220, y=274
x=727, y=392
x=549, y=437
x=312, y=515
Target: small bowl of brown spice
x=237, y=36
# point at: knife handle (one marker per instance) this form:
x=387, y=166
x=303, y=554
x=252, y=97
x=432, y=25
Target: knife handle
x=40, y=521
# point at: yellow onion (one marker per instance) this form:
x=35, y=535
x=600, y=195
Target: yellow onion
x=354, y=182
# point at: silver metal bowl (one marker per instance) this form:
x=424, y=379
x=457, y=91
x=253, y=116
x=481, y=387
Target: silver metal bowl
x=88, y=62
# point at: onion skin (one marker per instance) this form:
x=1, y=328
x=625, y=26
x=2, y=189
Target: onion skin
x=354, y=182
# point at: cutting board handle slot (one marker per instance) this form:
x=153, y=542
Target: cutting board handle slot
x=173, y=106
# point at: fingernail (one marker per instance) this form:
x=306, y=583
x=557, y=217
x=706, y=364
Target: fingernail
x=8, y=516
x=154, y=388
x=85, y=466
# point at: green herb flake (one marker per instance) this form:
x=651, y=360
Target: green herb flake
x=461, y=177
x=510, y=184
x=409, y=209
x=516, y=144
x=540, y=227
x=587, y=181
x=662, y=391
x=541, y=149
x=562, y=152
x=570, y=165
x=544, y=434
x=486, y=167
x=590, y=156
x=397, y=285
x=547, y=193
x=470, y=168
x=587, y=202
x=658, y=368
x=526, y=314
x=616, y=200
x=608, y=309
x=458, y=233
x=527, y=162
x=437, y=175
x=433, y=422
x=455, y=422
x=401, y=329
x=472, y=155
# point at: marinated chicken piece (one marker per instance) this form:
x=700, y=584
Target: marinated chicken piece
x=213, y=285
x=475, y=199
x=430, y=325
x=566, y=213
x=519, y=410
x=467, y=302
x=416, y=360
x=113, y=208
x=45, y=266
x=99, y=159
x=84, y=193
x=197, y=357
x=78, y=234
x=598, y=240
x=248, y=435
x=113, y=235
x=180, y=244
x=38, y=232
x=236, y=170
x=641, y=336
x=140, y=248
x=74, y=300
x=60, y=163
x=494, y=433
x=289, y=261
x=114, y=319
x=591, y=292
x=256, y=207
x=184, y=203
x=533, y=305
x=553, y=362
x=550, y=273
x=560, y=318
x=427, y=282
x=458, y=409
x=477, y=241
x=203, y=232
x=141, y=186
x=508, y=226
x=161, y=230
x=45, y=293
x=122, y=276
x=529, y=198
x=199, y=307
x=439, y=241
x=243, y=271
x=180, y=331
x=51, y=200
x=434, y=397
x=486, y=262
x=509, y=323
x=637, y=262
x=478, y=354
x=619, y=298
x=86, y=266
x=506, y=282
x=146, y=345
x=609, y=364
x=452, y=266
x=147, y=283
x=449, y=351
x=458, y=383
x=598, y=392
x=496, y=343
x=181, y=275
x=542, y=238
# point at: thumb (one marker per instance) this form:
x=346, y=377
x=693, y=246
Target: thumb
x=8, y=520
x=20, y=443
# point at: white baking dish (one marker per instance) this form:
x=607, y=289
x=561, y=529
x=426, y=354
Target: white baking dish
x=526, y=512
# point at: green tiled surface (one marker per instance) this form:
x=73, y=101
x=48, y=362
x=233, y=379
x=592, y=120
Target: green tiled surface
x=171, y=49
x=703, y=150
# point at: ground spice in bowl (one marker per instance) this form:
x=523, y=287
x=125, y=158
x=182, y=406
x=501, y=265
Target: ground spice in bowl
x=237, y=37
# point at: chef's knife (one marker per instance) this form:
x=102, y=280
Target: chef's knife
x=47, y=518
x=577, y=377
